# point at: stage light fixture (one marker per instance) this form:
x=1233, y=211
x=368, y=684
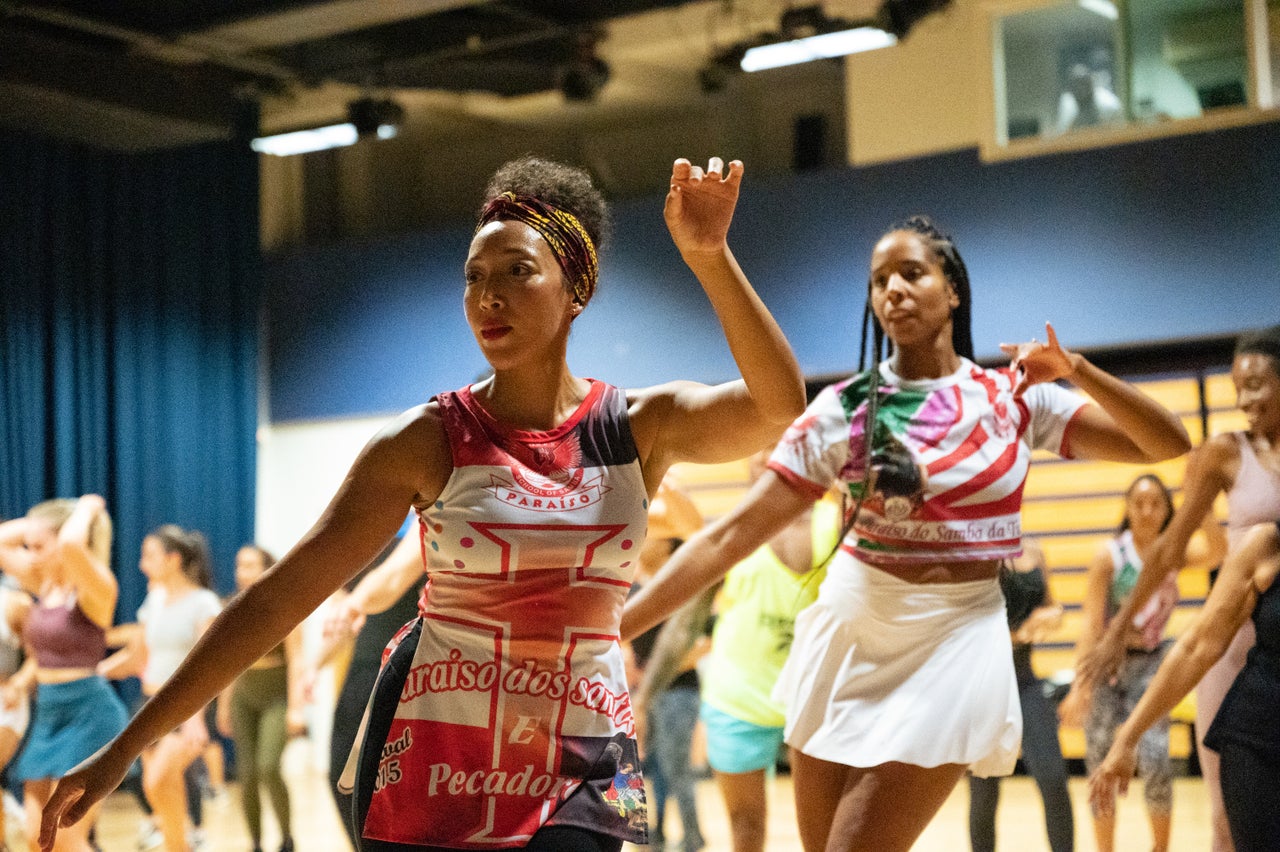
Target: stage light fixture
x=378, y=117
x=582, y=78
x=806, y=33
x=307, y=140
x=822, y=46
x=720, y=68
x=899, y=16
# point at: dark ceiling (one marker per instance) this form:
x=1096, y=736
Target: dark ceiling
x=193, y=65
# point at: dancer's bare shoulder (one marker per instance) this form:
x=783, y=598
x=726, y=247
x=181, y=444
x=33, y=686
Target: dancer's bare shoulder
x=413, y=449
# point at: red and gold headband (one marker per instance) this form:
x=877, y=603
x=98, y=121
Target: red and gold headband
x=569, y=241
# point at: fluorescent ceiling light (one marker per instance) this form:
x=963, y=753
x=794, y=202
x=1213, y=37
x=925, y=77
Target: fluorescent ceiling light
x=823, y=46
x=1105, y=8
x=367, y=116
x=306, y=141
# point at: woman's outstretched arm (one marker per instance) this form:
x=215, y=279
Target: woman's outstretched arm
x=1126, y=425
x=769, y=506
x=95, y=585
x=1249, y=571
x=1201, y=485
x=405, y=463
x=375, y=593
x=1075, y=706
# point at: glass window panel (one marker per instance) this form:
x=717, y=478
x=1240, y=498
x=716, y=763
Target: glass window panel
x=1062, y=69
x=1188, y=57
x=1097, y=63
x=1273, y=19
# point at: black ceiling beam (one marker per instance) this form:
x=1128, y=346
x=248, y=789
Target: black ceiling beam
x=197, y=93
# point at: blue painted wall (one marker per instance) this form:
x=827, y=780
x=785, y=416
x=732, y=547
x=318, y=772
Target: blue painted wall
x=1155, y=241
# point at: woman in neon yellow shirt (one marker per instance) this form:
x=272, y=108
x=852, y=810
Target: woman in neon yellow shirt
x=758, y=605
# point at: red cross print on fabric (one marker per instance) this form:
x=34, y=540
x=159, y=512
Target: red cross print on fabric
x=494, y=688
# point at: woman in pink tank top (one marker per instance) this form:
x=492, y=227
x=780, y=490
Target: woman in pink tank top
x=1245, y=466
x=502, y=720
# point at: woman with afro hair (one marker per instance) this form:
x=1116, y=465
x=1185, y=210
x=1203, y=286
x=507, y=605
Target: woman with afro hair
x=501, y=717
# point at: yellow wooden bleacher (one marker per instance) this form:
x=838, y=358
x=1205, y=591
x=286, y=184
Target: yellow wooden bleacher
x=1072, y=508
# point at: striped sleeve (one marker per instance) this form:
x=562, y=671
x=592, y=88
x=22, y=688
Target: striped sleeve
x=815, y=447
x=1052, y=407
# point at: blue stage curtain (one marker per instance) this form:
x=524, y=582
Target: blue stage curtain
x=129, y=297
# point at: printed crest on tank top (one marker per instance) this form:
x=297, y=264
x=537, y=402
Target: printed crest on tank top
x=515, y=711
x=968, y=436
x=527, y=490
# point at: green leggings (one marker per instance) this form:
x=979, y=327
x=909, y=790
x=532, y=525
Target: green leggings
x=259, y=703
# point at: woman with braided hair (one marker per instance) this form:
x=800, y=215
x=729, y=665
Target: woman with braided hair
x=501, y=717
x=900, y=675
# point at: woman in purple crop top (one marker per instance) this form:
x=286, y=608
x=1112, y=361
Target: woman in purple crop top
x=61, y=550
x=531, y=270
x=1245, y=466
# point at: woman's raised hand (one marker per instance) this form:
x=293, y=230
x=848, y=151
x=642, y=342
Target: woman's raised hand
x=1037, y=362
x=700, y=204
x=91, y=504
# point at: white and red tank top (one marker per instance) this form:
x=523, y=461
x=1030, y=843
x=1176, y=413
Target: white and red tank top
x=516, y=714
x=1126, y=565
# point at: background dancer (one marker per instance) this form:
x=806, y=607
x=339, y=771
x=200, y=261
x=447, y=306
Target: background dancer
x=1245, y=466
x=62, y=548
x=1033, y=615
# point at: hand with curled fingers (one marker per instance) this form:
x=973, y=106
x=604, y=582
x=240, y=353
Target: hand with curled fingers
x=1103, y=660
x=1039, y=625
x=1112, y=776
x=79, y=790
x=1074, y=708
x=195, y=734
x=1037, y=362
x=343, y=618
x=700, y=204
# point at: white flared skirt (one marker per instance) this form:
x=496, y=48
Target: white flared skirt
x=884, y=670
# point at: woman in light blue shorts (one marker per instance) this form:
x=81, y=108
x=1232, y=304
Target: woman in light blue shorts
x=761, y=596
